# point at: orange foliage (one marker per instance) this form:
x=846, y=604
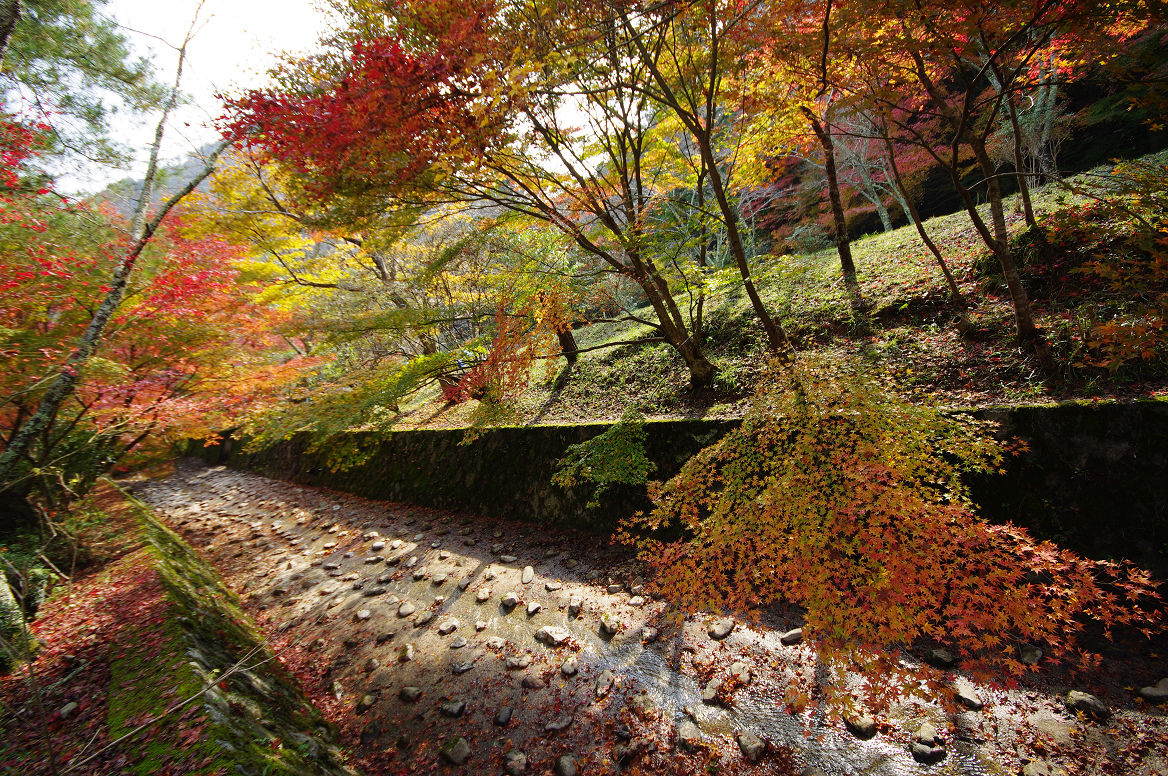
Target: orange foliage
x=841, y=499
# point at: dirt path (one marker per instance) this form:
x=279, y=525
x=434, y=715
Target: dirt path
x=395, y=619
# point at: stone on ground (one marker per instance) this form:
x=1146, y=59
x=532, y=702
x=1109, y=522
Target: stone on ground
x=926, y=745
x=1087, y=704
x=456, y=750
x=720, y=629
x=752, y=746
x=860, y=724
x=1157, y=693
x=689, y=737
x=566, y=765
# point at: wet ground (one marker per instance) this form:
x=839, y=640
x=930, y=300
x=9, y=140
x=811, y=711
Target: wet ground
x=396, y=620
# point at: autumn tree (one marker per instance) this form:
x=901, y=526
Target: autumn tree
x=866, y=167
x=341, y=267
x=947, y=76
x=59, y=385
x=411, y=291
x=183, y=352
x=555, y=129
x=687, y=52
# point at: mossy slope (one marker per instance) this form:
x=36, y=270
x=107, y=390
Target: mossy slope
x=252, y=720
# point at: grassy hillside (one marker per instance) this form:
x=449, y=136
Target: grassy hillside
x=907, y=332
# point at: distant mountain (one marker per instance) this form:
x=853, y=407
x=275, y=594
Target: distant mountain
x=123, y=194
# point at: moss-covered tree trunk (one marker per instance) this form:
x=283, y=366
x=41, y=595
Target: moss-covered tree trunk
x=13, y=638
x=9, y=16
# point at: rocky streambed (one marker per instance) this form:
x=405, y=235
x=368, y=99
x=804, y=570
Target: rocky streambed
x=446, y=642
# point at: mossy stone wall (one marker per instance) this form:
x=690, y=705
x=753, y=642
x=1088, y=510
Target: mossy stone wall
x=260, y=723
x=503, y=472
x=1094, y=477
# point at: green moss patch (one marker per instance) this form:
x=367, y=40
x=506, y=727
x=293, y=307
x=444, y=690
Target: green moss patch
x=251, y=720
x=148, y=674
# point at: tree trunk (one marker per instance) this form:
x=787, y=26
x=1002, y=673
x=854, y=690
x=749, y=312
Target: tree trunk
x=776, y=336
x=9, y=16
x=882, y=212
x=1019, y=165
x=842, y=244
x=955, y=295
x=700, y=130
x=568, y=347
x=1028, y=332
x=998, y=240
x=701, y=371
x=1048, y=111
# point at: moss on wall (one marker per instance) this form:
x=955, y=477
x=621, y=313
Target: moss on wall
x=503, y=472
x=259, y=722
x=1094, y=477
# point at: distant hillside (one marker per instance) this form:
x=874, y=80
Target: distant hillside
x=122, y=195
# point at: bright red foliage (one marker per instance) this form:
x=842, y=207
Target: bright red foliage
x=185, y=349
x=395, y=113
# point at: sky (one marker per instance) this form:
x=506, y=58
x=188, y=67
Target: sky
x=237, y=41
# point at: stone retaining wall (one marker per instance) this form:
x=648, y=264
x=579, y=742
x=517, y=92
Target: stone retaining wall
x=1094, y=477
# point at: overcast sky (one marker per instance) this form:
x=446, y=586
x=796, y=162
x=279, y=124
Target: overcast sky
x=237, y=42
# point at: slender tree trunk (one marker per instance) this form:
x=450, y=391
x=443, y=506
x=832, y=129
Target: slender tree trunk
x=873, y=192
x=882, y=213
x=701, y=370
x=632, y=264
x=9, y=16
x=1047, y=107
x=955, y=296
x=703, y=254
x=842, y=244
x=1019, y=165
x=1028, y=332
x=776, y=337
x=1005, y=95
x=141, y=233
x=699, y=123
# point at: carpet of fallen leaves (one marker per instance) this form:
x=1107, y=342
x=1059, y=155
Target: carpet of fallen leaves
x=106, y=611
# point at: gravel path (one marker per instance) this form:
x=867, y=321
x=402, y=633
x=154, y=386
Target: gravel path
x=440, y=642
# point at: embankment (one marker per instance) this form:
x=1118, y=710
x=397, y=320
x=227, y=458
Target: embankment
x=1092, y=476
